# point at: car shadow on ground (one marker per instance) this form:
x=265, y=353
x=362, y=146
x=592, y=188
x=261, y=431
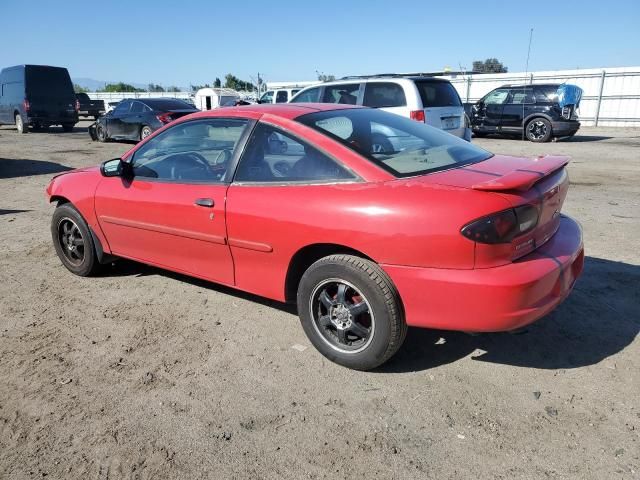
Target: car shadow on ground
x=576, y=138
x=599, y=319
x=9, y=212
x=24, y=167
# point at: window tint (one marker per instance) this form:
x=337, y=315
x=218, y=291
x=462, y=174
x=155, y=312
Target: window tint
x=274, y=156
x=497, y=97
x=167, y=104
x=294, y=91
x=347, y=94
x=438, y=94
x=401, y=146
x=281, y=96
x=521, y=96
x=49, y=81
x=196, y=151
x=267, y=97
x=310, y=95
x=137, y=107
x=122, y=108
x=14, y=91
x=546, y=94
x=384, y=94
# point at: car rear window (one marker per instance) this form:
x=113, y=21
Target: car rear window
x=167, y=104
x=438, y=94
x=403, y=147
x=49, y=81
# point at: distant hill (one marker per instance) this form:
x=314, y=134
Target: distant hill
x=94, y=85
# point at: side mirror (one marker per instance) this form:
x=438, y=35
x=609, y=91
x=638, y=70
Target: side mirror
x=116, y=168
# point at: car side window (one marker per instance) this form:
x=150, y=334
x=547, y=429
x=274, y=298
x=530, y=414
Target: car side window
x=267, y=97
x=347, y=93
x=383, y=94
x=195, y=151
x=311, y=95
x=497, y=97
x=546, y=94
x=137, y=107
x=271, y=155
x=282, y=97
x=122, y=108
x=520, y=96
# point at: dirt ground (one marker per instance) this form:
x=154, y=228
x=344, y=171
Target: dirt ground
x=141, y=373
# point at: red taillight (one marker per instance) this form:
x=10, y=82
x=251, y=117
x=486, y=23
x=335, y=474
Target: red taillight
x=502, y=227
x=26, y=105
x=417, y=115
x=77, y=105
x=164, y=118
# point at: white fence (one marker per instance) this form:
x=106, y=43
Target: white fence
x=117, y=96
x=611, y=95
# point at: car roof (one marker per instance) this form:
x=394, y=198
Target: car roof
x=284, y=110
x=525, y=85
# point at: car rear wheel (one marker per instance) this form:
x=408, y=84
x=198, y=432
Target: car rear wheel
x=351, y=311
x=538, y=130
x=145, y=131
x=20, y=125
x=73, y=242
x=101, y=133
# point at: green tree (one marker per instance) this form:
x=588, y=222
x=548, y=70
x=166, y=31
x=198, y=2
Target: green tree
x=195, y=88
x=217, y=83
x=173, y=88
x=120, y=87
x=78, y=89
x=233, y=82
x=490, y=65
x=326, y=78
x=155, y=88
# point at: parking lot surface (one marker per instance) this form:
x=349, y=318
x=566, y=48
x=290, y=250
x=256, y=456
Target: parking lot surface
x=142, y=373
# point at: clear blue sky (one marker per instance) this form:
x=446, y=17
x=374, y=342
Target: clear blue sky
x=192, y=42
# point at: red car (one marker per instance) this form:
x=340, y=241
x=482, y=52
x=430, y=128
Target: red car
x=305, y=203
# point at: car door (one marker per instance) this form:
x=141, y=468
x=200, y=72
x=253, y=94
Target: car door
x=516, y=108
x=132, y=122
x=489, y=109
x=279, y=180
x=171, y=211
x=115, y=121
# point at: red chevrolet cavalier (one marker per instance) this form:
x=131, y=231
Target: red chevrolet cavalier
x=369, y=221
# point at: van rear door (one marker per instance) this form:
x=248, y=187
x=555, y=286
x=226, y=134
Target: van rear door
x=442, y=106
x=50, y=94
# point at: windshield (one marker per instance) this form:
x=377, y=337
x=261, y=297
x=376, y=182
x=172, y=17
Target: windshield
x=438, y=94
x=49, y=81
x=401, y=146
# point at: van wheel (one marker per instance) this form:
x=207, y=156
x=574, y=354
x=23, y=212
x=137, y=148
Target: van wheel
x=351, y=311
x=538, y=130
x=20, y=125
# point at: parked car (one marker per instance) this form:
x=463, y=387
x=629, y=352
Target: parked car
x=110, y=106
x=291, y=203
x=88, y=107
x=423, y=98
x=538, y=112
x=135, y=119
x=37, y=96
x=279, y=95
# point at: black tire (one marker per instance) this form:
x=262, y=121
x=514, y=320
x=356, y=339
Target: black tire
x=101, y=133
x=68, y=127
x=380, y=144
x=145, y=131
x=371, y=336
x=479, y=134
x=538, y=130
x=21, y=127
x=73, y=242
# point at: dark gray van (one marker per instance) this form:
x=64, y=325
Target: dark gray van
x=37, y=96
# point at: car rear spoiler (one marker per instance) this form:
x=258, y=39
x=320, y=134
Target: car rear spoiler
x=522, y=179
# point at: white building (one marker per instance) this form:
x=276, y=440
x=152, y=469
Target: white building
x=210, y=98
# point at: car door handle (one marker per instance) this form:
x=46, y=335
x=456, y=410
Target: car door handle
x=205, y=202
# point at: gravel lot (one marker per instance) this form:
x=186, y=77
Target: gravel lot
x=142, y=373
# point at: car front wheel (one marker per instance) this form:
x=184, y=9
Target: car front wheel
x=101, y=133
x=145, y=132
x=73, y=242
x=351, y=311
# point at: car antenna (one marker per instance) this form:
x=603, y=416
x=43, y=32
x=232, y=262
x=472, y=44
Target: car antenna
x=526, y=74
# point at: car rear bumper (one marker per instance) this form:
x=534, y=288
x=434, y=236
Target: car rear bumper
x=565, y=128
x=52, y=119
x=493, y=299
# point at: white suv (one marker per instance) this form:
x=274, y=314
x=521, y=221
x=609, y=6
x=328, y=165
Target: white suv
x=278, y=95
x=427, y=99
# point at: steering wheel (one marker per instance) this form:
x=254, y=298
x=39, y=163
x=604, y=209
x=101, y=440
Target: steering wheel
x=226, y=156
x=181, y=164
